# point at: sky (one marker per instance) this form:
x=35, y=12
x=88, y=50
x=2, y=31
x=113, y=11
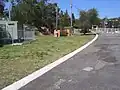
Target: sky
x=106, y=8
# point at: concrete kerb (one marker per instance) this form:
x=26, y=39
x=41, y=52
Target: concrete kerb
x=19, y=84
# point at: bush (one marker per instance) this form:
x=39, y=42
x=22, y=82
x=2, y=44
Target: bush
x=37, y=33
x=85, y=31
x=1, y=43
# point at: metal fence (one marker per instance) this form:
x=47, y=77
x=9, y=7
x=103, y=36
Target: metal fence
x=108, y=30
x=23, y=34
x=27, y=33
x=77, y=31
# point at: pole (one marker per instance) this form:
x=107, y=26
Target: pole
x=71, y=14
x=10, y=10
x=12, y=37
x=104, y=26
x=56, y=17
x=9, y=14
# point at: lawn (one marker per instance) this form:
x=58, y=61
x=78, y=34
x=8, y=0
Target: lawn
x=17, y=62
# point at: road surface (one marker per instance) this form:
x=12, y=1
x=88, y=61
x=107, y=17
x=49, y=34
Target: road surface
x=95, y=68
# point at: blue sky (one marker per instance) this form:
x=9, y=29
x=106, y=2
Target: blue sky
x=106, y=8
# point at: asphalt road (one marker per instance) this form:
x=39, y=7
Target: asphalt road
x=95, y=68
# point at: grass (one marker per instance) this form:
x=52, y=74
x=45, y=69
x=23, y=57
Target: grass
x=18, y=61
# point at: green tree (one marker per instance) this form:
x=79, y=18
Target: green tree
x=77, y=23
x=51, y=15
x=84, y=21
x=88, y=18
x=73, y=19
x=66, y=19
x=61, y=20
x=1, y=30
x=35, y=13
x=93, y=16
x=1, y=7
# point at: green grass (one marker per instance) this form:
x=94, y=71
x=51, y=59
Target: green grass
x=18, y=61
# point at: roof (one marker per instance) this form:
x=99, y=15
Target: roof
x=3, y=22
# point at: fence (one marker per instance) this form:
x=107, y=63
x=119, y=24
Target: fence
x=25, y=33
x=108, y=30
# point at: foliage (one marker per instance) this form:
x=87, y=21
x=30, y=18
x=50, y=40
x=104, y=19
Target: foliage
x=87, y=19
x=39, y=14
x=111, y=22
x=73, y=19
x=64, y=19
x=61, y=20
x=43, y=14
x=1, y=7
x=93, y=16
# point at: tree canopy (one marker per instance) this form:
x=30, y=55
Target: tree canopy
x=42, y=13
x=38, y=13
x=88, y=18
x=1, y=7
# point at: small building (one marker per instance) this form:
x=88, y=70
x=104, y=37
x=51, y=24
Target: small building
x=10, y=33
x=8, y=30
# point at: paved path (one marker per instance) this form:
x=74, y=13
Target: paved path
x=95, y=68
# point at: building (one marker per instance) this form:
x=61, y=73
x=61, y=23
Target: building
x=9, y=32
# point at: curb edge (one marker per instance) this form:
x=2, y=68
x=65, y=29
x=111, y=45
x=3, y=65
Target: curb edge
x=19, y=84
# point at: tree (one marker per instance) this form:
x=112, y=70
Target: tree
x=113, y=22
x=66, y=19
x=39, y=14
x=1, y=7
x=1, y=30
x=35, y=13
x=45, y=15
x=93, y=16
x=88, y=18
x=77, y=23
x=51, y=15
x=73, y=19
x=61, y=19
x=84, y=21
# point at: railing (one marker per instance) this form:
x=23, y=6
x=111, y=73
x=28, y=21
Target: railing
x=107, y=30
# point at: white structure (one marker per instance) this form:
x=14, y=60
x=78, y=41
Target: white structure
x=11, y=34
x=11, y=28
x=94, y=27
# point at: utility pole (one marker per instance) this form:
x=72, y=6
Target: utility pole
x=56, y=17
x=10, y=10
x=71, y=15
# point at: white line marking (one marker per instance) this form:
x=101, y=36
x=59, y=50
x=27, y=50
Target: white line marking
x=19, y=84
